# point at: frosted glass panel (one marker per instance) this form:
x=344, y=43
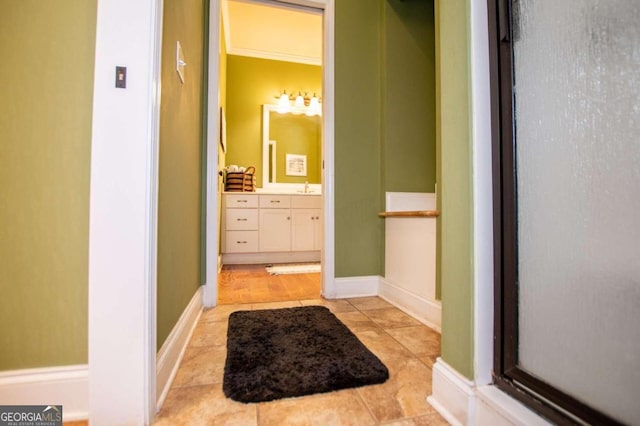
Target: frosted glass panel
x=577, y=114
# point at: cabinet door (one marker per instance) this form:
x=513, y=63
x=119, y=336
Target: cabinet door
x=275, y=230
x=303, y=229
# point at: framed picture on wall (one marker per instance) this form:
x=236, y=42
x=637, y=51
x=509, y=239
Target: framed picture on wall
x=296, y=165
x=223, y=130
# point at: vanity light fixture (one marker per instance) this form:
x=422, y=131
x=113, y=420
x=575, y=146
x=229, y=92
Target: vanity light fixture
x=300, y=104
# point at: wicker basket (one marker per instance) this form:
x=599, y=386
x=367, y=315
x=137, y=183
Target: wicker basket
x=240, y=181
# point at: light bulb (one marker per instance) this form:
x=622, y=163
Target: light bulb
x=314, y=106
x=283, y=103
x=299, y=101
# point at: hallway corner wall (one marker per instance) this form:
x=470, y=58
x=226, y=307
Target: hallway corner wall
x=455, y=195
x=180, y=163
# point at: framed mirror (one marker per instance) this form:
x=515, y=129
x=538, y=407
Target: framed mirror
x=291, y=149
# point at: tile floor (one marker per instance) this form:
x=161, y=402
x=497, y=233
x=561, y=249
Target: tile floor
x=407, y=348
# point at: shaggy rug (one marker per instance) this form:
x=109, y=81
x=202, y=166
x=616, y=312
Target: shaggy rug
x=281, y=353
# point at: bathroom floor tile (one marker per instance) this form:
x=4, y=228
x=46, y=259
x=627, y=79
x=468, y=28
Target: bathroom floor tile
x=433, y=419
x=209, y=334
x=334, y=408
x=366, y=303
x=382, y=345
x=420, y=340
x=404, y=394
x=355, y=320
x=390, y=318
x=204, y=405
x=334, y=305
x=222, y=312
x=201, y=366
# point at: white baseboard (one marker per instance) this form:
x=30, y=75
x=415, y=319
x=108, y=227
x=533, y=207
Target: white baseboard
x=429, y=312
x=453, y=395
x=350, y=287
x=270, y=257
x=460, y=402
x=67, y=386
x=172, y=350
x=497, y=408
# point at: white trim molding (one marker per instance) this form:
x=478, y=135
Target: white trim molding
x=123, y=212
x=172, y=351
x=427, y=311
x=67, y=386
x=461, y=402
x=453, y=395
x=351, y=287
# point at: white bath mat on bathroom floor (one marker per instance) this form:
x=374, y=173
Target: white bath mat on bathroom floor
x=302, y=268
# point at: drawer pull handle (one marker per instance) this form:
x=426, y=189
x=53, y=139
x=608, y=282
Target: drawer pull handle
x=241, y=219
x=241, y=242
x=274, y=201
x=241, y=201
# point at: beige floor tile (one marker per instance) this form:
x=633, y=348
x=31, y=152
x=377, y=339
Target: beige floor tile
x=204, y=405
x=356, y=321
x=334, y=408
x=434, y=419
x=209, y=334
x=201, y=366
x=428, y=360
x=390, y=318
x=276, y=305
x=420, y=340
x=403, y=395
x=335, y=306
x=382, y=345
x=365, y=303
x=222, y=312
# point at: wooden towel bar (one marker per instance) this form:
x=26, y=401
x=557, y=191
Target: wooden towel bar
x=419, y=213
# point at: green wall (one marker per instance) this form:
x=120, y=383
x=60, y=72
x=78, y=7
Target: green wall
x=252, y=82
x=455, y=186
x=180, y=174
x=359, y=233
x=409, y=106
x=47, y=51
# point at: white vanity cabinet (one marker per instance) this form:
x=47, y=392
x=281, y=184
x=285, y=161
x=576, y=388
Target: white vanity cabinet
x=275, y=223
x=306, y=223
x=240, y=223
x=269, y=228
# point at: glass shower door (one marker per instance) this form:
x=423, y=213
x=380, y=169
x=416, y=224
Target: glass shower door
x=576, y=177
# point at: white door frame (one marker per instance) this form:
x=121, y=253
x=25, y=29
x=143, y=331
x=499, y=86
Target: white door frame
x=123, y=214
x=328, y=177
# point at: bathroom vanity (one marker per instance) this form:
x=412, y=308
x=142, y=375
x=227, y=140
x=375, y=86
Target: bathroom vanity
x=271, y=227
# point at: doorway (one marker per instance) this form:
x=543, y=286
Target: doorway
x=223, y=156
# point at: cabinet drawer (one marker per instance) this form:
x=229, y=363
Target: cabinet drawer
x=241, y=219
x=238, y=201
x=241, y=242
x=275, y=201
x=306, y=202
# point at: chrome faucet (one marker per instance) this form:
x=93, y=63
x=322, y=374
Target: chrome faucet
x=306, y=187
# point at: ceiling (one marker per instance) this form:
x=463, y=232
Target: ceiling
x=270, y=31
